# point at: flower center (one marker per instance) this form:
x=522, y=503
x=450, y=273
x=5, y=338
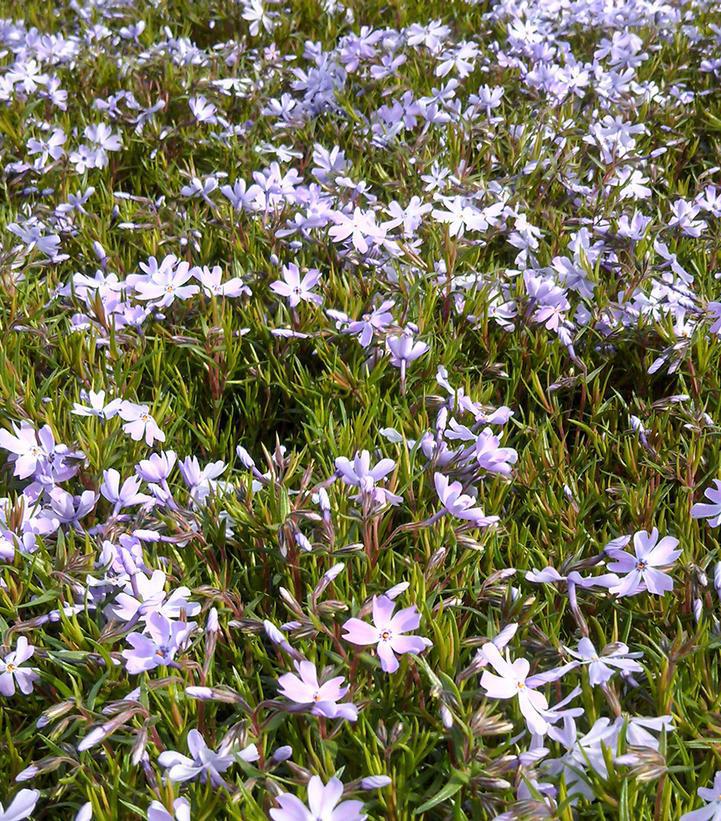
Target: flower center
x=144, y=417
x=520, y=685
x=386, y=635
x=11, y=668
x=641, y=565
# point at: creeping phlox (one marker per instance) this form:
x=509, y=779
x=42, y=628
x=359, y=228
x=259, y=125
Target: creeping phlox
x=271, y=543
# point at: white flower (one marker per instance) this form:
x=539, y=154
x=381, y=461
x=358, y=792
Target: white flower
x=512, y=681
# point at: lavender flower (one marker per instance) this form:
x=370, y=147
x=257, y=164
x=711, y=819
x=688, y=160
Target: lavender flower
x=181, y=811
x=22, y=806
x=304, y=689
x=387, y=632
x=164, y=639
x=642, y=569
x=712, y=810
x=139, y=423
x=203, y=762
x=459, y=504
x=601, y=668
x=322, y=804
x=404, y=349
x=512, y=681
x=712, y=511
x=295, y=289
x=360, y=474
x=12, y=673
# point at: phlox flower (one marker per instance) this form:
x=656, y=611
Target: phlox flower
x=295, y=289
x=201, y=481
x=202, y=110
x=166, y=285
x=22, y=806
x=27, y=447
x=642, y=569
x=210, y=280
x=491, y=457
x=359, y=227
x=139, y=423
x=322, y=699
x=203, y=762
x=712, y=512
x=387, y=632
x=712, y=810
x=11, y=672
x=181, y=811
x=369, y=324
x=459, y=504
x=360, y=474
x=404, y=349
x=512, y=681
x=322, y=804
x=96, y=405
x=145, y=595
x=163, y=640
x=602, y=667
x=582, y=753
x=124, y=495
x=69, y=509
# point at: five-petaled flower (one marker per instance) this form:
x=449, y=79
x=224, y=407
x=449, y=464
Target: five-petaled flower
x=644, y=570
x=322, y=804
x=387, y=632
x=12, y=673
x=321, y=699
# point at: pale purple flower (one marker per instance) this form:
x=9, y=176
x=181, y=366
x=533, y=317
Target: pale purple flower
x=12, y=673
x=359, y=227
x=163, y=640
x=643, y=569
x=375, y=321
x=712, y=810
x=145, y=595
x=241, y=197
x=202, y=110
x=714, y=311
x=201, y=481
x=203, y=762
x=22, y=806
x=581, y=753
x=404, y=349
x=387, y=632
x=295, y=289
x=139, y=423
x=27, y=447
x=360, y=474
x=125, y=495
x=202, y=188
x=712, y=511
x=491, y=457
x=322, y=699
x=167, y=285
x=323, y=804
x=601, y=668
x=157, y=467
x=459, y=504
x=181, y=811
x=97, y=406
x=70, y=509
x=512, y=681
x=210, y=280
